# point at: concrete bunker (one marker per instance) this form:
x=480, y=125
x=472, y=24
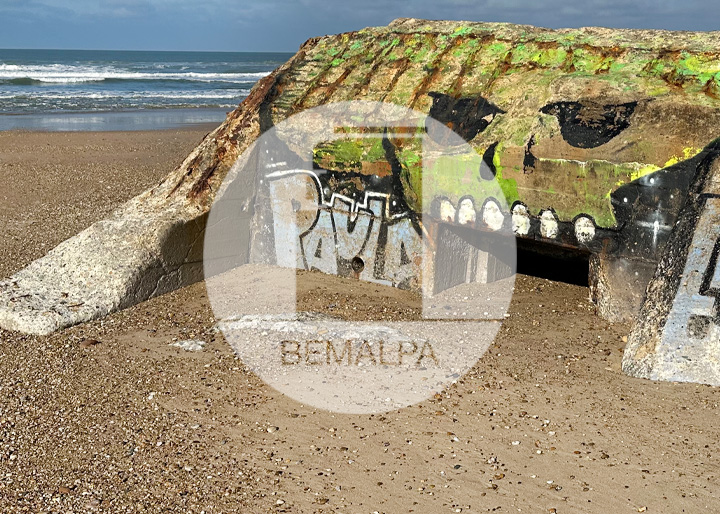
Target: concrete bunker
x=604, y=143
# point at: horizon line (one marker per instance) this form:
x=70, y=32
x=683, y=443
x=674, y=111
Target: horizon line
x=155, y=50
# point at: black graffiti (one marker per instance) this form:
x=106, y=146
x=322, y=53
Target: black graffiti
x=698, y=325
x=487, y=168
x=587, y=125
x=529, y=160
x=353, y=184
x=647, y=208
x=467, y=117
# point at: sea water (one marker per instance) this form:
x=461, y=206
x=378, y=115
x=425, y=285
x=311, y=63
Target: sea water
x=124, y=90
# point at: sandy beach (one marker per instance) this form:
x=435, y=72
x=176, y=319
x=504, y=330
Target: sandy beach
x=109, y=417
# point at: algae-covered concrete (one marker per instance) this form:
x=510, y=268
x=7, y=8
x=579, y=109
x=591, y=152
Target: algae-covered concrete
x=542, y=85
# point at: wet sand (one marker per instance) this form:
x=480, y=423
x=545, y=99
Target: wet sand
x=108, y=417
x=129, y=120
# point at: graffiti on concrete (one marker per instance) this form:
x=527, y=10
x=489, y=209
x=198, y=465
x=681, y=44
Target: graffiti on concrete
x=336, y=234
x=688, y=341
x=694, y=315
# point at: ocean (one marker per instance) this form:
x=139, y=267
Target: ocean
x=124, y=90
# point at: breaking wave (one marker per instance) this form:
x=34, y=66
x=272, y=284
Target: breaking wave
x=57, y=81
x=64, y=74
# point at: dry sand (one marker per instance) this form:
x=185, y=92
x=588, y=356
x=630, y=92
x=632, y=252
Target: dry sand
x=107, y=417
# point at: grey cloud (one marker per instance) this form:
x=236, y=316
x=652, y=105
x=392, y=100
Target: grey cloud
x=285, y=24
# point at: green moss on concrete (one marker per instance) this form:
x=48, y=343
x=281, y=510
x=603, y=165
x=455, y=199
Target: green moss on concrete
x=519, y=69
x=507, y=185
x=461, y=31
x=454, y=177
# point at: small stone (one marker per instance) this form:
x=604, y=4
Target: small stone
x=87, y=343
x=190, y=345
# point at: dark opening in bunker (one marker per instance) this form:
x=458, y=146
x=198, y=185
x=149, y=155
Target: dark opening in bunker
x=357, y=265
x=549, y=261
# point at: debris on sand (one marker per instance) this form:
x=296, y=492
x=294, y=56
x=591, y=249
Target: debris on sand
x=190, y=345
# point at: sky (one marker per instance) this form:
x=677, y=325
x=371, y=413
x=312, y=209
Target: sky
x=282, y=25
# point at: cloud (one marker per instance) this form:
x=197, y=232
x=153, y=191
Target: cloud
x=447, y=9
x=34, y=9
x=285, y=24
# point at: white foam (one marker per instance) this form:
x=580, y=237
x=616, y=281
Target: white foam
x=68, y=74
x=158, y=95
